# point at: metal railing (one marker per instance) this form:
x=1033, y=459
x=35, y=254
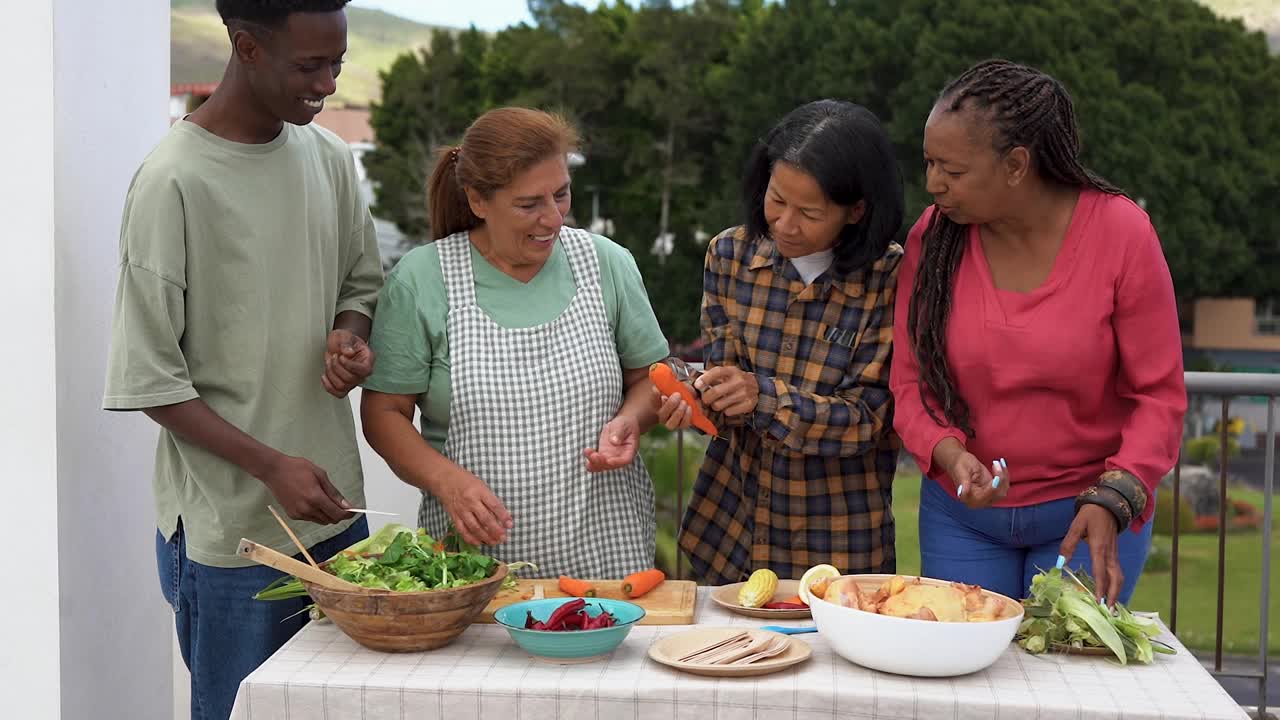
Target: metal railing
x=1226, y=386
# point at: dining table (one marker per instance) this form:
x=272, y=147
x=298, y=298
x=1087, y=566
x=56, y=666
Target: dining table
x=483, y=675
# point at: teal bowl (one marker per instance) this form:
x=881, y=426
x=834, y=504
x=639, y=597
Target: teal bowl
x=567, y=646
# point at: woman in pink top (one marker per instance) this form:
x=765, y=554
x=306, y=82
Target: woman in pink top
x=1037, y=371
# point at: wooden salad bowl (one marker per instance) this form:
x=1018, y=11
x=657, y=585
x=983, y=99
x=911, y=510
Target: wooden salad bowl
x=405, y=621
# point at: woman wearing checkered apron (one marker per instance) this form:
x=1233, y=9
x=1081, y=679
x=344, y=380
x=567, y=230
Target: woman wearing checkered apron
x=525, y=344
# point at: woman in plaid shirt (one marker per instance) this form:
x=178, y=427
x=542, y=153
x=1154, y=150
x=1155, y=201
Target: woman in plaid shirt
x=798, y=313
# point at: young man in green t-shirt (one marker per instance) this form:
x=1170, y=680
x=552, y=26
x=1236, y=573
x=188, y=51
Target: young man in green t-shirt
x=248, y=275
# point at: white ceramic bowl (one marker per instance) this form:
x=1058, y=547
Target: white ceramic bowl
x=918, y=648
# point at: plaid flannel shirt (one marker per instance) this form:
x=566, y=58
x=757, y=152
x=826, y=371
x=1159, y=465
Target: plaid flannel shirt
x=807, y=478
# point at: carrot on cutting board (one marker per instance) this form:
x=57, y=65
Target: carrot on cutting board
x=639, y=583
x=664, y=378
x=575, y=587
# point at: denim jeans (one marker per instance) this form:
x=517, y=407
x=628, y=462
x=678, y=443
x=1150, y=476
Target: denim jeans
x=1001, y=549
x=225, y=634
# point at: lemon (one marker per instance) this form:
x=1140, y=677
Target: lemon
x=813, y=575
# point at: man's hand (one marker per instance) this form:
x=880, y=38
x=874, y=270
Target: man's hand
x=304, y=491
x=348, y=360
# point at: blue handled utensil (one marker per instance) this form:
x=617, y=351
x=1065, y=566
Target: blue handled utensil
x=791, y=630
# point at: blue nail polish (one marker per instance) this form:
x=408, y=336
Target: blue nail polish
x=996, y=482
x=959, y=490
x=1061, y=561
x=1004, y=464
x=1103, y=602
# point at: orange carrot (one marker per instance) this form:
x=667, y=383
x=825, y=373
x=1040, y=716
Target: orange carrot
x=577, y=588
x=639, y=583
x=664, y=378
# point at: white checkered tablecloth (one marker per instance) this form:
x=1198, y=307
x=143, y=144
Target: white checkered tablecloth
x=322, y=673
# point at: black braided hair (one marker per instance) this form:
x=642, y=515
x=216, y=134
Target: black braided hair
x=1023, y=107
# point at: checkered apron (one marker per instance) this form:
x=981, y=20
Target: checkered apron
x=525, y=403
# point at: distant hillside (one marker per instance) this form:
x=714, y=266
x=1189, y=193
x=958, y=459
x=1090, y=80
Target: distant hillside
x=1261, y=15
x=199, y=47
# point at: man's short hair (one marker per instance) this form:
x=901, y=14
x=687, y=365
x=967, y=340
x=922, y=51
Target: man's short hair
x=272, y=13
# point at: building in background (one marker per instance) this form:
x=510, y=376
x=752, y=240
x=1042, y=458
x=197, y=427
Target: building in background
x=1233, y=335
x=347, y=122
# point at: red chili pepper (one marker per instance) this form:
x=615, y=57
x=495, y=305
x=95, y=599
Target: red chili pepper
x=564, y=611
x=784, y=606
x=603, y=620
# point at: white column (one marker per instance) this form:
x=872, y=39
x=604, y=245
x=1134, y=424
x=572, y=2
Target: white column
x=86, y=631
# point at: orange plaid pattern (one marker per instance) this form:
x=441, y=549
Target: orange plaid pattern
x=807, y=478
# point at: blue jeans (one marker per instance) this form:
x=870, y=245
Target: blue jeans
x=225, y=634
x=1001, y=549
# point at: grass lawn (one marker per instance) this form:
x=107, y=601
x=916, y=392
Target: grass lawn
x=1198, y=561
x=1198, y=587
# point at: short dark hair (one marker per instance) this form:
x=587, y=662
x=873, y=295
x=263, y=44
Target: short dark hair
x=272, y=13
x=844, y=148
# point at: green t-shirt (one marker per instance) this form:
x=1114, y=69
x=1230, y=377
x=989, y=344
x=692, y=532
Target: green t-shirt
x=234, y=261
x=411, y=343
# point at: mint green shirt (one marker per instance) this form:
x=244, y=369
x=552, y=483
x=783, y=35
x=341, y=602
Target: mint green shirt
x=411, y=342
x=234, y=261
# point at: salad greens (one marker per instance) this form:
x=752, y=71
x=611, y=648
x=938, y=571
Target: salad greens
x=401, y=559
x=1062, y=613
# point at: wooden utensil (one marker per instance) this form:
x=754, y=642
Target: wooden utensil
x=669, y=648
x=775, y=646
x=732, y=639
x=296, y=542
x=266, y=556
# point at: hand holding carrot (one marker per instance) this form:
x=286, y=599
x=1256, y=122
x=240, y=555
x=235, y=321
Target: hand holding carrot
x=673, y=412
x=676, y=399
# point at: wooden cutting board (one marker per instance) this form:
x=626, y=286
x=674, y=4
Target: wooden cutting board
x=671, y=603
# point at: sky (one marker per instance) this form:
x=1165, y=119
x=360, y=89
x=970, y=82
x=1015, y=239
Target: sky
x=484, y=14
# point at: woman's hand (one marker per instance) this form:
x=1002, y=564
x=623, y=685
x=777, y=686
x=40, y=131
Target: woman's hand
x=728, y=390
x=978, y=486
x=479, y=515
x=673, y=412
x=1097, y=526
x=619, y=441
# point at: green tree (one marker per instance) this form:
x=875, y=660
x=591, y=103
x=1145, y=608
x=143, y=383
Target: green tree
x=1176, y=105
x=428, y=100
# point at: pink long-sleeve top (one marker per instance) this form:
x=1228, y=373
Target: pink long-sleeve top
x=1079, y=376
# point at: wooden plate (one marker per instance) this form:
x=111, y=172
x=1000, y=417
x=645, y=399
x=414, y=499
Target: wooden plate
x=669, y=648
x=726, y=596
